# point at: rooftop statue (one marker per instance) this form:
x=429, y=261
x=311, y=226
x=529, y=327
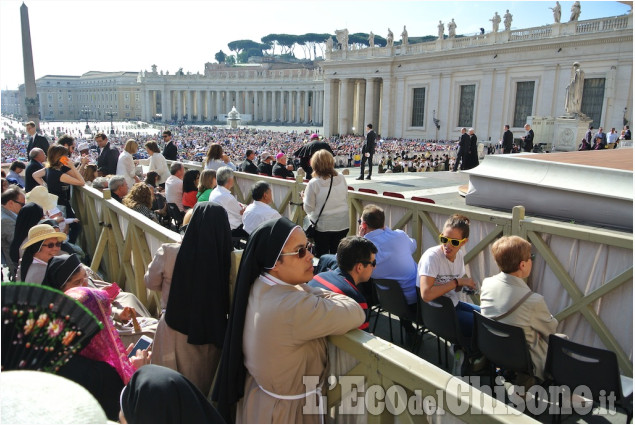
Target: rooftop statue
x=441, y=28
x=404, y=37
x=390, y=38
x=371, y=39
x=508, y=20
x=452, y=28
x=557, y=12
x=496, y=20
x=575, y=11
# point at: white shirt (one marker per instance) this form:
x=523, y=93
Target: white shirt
x=126, y=168
x=158, y=164
x=335, y=215
x=174, y=191
x=224, y=198
x=215, y=164
x=257, y=213
x=612, y=137
x=435, y=264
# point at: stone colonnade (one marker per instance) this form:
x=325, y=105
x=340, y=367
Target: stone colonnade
x=300, y=106
x=353, y=103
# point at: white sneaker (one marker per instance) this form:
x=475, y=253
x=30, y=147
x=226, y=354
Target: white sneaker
x=459, y=358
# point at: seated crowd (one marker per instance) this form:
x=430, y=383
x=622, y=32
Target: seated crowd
x=249, y=349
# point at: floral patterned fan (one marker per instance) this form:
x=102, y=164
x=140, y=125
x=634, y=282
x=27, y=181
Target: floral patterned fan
x=42, y=328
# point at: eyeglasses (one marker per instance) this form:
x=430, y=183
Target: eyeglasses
x=301, y=253
x=52, y=245
x=532, y=257
x=454, y=242
x=372, y=263
x=20, y=203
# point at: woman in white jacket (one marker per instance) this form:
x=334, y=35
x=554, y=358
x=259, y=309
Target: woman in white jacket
x=126, y=165
x=157, y=161
x=333, y=224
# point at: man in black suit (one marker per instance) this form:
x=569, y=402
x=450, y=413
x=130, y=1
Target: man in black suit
x=108, y=156
x=170, y=152
x=306, y=151
x=508, y=140
x=37, y=157
x=368, y=150
x=464, y=150
x=528, y=139
x=35, y=140
x=248, y=165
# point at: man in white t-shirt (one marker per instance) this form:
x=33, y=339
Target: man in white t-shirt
x=259, y=211
x=174, y=185
x=222, y=196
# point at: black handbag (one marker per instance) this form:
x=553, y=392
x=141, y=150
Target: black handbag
x=310, y=228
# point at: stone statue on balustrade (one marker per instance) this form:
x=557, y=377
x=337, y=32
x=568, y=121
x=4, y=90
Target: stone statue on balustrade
x=441, y=28
x=371, y=39
x=507, y=20
x=452, y=28
x=390, y=38
x=329, y=44
x=342, y=38
x=573, y=100
x=575, y=11
x=557, y=12
x=496, y=20
x=404, y=37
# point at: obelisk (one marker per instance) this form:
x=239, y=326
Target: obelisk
x=31, y=100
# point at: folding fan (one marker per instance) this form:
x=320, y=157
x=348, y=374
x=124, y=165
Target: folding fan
x=42, y=328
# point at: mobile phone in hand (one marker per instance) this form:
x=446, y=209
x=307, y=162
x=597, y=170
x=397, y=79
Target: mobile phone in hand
x=143, y=343
x=64, y=160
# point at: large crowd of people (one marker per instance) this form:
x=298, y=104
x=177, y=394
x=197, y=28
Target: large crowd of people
x=253, y=354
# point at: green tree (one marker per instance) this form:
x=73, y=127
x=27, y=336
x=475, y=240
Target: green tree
x=230, y=60
x=220, y=56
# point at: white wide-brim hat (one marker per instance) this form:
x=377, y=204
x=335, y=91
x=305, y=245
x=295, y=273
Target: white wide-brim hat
x=41, y=196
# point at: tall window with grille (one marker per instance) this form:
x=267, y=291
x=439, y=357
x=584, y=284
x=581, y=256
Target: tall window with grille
x=418, y=106
x=466, y=105
x=592, y=99
x=524, y=102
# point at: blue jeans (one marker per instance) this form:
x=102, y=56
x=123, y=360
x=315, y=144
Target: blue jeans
x=466, y=318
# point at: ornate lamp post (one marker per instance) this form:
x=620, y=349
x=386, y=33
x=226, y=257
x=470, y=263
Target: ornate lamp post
x=111, y=114
x=86, y=113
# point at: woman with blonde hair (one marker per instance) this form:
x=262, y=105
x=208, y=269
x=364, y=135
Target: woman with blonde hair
x=126, y=165
x=139, y=199
x=325, y=203
x=206, y=183
x=158, y=163
x=216, y=158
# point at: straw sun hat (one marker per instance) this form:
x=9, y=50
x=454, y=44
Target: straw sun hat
x=41, y=232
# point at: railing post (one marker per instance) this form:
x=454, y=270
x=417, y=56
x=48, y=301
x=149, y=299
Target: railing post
x=518, y=214
x=297, y=215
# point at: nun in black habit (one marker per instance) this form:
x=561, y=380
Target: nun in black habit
x=29, y=216
x=277, y=329
x=190, y=335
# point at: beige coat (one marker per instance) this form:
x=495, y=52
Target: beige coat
x=159, y=274
x=500, y=293
x=284, y=341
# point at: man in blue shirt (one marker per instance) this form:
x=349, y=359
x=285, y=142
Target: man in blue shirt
x=394, y=255
x=356, y=262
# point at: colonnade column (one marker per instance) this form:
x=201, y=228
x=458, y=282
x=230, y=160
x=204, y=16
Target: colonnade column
x=385, y=117
x=179, y=105
x=344, y=110
x=210, y=106
x=146, y=106
x=330, y=107
x=199, y=105
x=188, y=105
x=306, y=107
x=165, y=102
x=360, y=101
x=281, y=108
x=219, y=98
x=297, y=106
x=369, y=104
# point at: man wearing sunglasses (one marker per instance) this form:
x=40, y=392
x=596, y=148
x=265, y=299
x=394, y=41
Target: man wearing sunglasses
x=355, y=264
x=13, y=200
x=394, y=256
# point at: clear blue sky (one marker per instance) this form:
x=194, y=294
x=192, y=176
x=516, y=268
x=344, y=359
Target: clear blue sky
x=73, y=37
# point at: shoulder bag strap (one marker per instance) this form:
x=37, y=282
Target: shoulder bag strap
x=511, y=310
x=327, y=198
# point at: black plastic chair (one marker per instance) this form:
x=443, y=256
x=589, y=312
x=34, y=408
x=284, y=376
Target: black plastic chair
x=503, y=345
x=393, y=301
x=176, y=215
x=440, y=318
x=572, y=364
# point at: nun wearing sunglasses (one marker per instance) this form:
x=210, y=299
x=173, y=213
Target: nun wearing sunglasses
x=441, y=270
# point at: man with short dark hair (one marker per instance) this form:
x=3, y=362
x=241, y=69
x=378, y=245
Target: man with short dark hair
x=68, y=142
x=259, y=211
x=394, y=255
x=356, y=262
x=118, y=187
x=463, y=152
x=508, y=140
x=368, y=150
x=35, y=140
x=627, y=133
x=37, y=157
x=174, y=185
x=108, y=156
x=265, y=166
x=13, y=200
x=248, y=165
x=170, y=151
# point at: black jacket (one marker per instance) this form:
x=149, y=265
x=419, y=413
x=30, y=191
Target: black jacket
x=464, y=150
x=29, y=181
x=265, y=168
x=107, y=160
x=369, y=144
x=508, y=141
x=38, y=142
x=281, y=170
x=248, y=167
x=170, y=152
x=528, y=142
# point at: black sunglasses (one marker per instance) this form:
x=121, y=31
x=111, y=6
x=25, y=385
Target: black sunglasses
x=372, y=263
x=18, y=202
x=301, y=253
x=52, y=245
